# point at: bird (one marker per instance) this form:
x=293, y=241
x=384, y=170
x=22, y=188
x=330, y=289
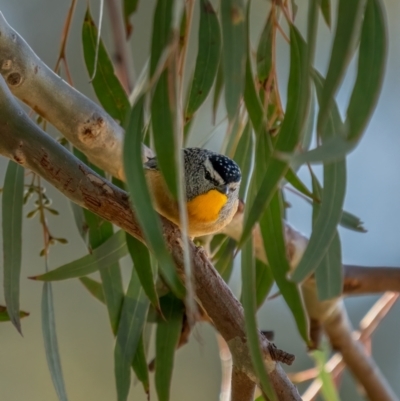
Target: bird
x=212, y=182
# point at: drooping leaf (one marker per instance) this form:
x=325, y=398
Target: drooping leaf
x=371, y=67
x=289, y=135
x=330, y=211
x=244, y=157
x=325, y=6
x=108, y=89
x=163, y=122
x=295, y=181
x=219, y=84
x=133, y=318
x=352, y=222
x=264, y=281
x=99, y=232
x=94, y=287
x=162, y=25
x=264, y=51
x=233, y=20
x=141, y=261
x=51, y=343
x=250, y=309
x=329, y=273
x=167, y=337
x=140, y=367
x=141, y=200
x=209, y=44
x=13, y=193
x=103, y=256
x=347, y=33
x=272, y=231
x=223, y=258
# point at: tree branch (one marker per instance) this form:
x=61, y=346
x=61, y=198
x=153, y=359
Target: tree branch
x=368, y=280
x=25, y=143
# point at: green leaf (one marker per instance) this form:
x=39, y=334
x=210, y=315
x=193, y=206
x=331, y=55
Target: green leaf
x=99, y=232
x=94, y=287
x=103, y=256
x=244, y=157
x=80, y=221
x=133, y=318
x=233, y=20
x=250, y=309
x=330, y=211
x=51, y=343
x=167, y=337
x=5, y=317
x=164, y=127
x=162, y=24
x=371, y=68
x=141, y=200
x=328, y=389
x=329, y=273
x=209, y=45
x=141, y=260
x=295, y=181
x=13, y=193
x=264, y=51
x=289, y=135
x=223, y=259
x=348, y=27
x=139, y=365
x=108, y=89
x=219, y=84
x=129, y=8
x=325, y=6
x=352, y=222
x=264, y=281
x=272, y=231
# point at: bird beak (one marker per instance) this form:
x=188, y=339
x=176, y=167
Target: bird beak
x=224, y=189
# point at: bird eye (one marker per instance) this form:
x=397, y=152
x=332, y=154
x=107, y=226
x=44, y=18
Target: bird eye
x=232, y=189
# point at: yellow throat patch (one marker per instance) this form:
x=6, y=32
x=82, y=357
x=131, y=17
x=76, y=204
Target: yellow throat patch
x=205, y=208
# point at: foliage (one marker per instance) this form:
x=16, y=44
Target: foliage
x=270, y=141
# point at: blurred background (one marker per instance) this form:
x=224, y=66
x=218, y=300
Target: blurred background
x=84, y=334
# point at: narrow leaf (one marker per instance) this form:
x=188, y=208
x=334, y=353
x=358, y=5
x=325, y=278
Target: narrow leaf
x=219, y=84
x=264, y=51
x=290, y=132
x=140, y=367
x=13, y=193
x=167, y=337
x=105, y=255
x=250, y=309
x=163, y=123
x=325, y=6
x=161, y=31
x=99, y=232
x=348, y=27
x=209, y=44
x=233, y=19
x=94, y=287
x=141, y=260
x=332, y=199
x=108, y=89
x=141, y=200
x=371, y=67
x=51, y=343
x=133, y=318
x=264, y=281
x=295, y=181
x=271, y=225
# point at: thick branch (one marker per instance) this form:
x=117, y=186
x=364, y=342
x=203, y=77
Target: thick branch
x=242, y=387
x=24, y=142
x=368, y=280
